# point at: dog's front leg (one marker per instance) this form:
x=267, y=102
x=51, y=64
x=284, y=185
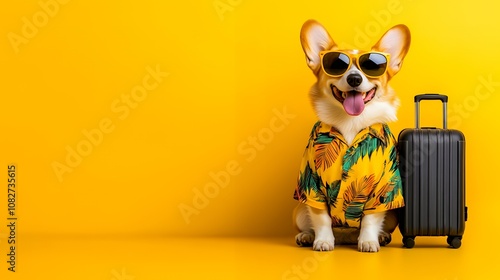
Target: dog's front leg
x=371, y=225
x=322, y=226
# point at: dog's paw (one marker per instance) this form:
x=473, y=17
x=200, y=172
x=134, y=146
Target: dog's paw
x=384, y=238
x=304, y=239
x=324, y=244
x=368, y=246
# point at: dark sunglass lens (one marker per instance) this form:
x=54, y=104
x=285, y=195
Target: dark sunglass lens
x=373, y=64
x=335, y=63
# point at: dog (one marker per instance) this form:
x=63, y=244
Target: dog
x=349, y=185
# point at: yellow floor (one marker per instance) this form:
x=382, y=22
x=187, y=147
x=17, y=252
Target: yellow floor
x=243, y=258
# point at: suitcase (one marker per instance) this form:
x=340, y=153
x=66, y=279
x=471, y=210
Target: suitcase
x=432, y=167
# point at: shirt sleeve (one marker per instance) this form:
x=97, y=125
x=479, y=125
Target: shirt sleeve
x=308, y=189
x=388, y=194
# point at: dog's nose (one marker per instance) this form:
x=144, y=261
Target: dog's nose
x=354, y=79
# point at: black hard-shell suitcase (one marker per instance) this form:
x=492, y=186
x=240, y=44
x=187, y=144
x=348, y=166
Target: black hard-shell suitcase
x=432, y=166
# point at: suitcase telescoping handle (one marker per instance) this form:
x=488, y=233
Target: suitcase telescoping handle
x=430, y=96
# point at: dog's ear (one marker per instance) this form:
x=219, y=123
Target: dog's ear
x=396, y=42
x=314, y=38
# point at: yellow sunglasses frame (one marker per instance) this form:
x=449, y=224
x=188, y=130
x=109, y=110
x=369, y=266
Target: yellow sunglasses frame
x=354, y=57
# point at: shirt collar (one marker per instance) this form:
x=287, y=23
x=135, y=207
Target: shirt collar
x=335, y=133
x=332, y=132
x=376, y=130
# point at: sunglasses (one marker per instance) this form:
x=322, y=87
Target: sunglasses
x=336, y=63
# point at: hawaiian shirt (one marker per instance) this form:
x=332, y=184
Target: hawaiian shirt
x=350, y=181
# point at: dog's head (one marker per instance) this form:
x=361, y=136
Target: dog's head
x=353, y=85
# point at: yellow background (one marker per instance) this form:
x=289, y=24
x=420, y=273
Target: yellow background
x=232, y=65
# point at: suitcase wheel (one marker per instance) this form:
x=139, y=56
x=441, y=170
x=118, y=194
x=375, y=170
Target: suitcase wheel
x=409, y=241
x=454, y=241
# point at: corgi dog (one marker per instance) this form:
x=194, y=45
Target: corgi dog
x=349, y=185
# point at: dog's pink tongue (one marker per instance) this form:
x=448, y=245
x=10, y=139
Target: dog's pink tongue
x=354, y=103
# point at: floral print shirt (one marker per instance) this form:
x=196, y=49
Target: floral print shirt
x=350, y=181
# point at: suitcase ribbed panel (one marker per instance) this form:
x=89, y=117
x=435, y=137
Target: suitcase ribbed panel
x=433, y=173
